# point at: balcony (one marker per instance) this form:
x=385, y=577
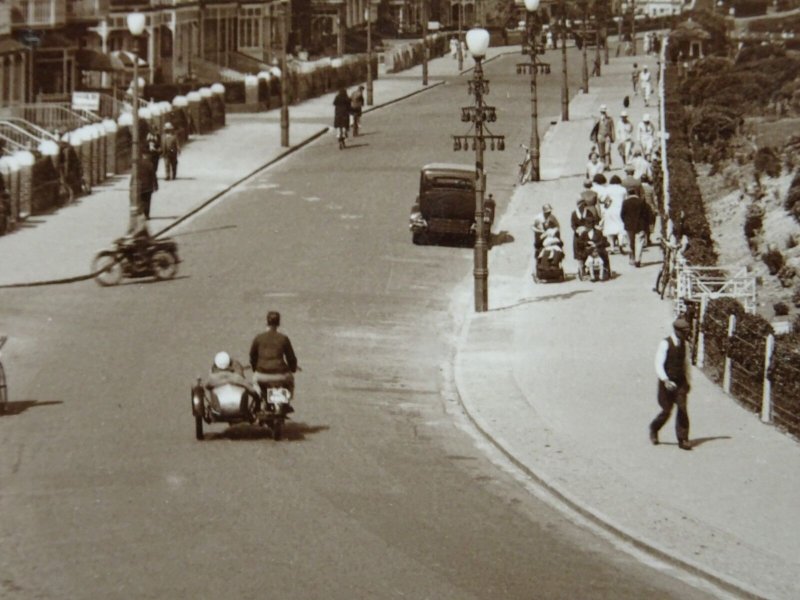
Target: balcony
x=38, y=14
x=5, y=18
x=80, y=11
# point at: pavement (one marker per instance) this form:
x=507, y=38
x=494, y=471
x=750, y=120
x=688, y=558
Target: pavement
x=208, y=166
x=558, y=376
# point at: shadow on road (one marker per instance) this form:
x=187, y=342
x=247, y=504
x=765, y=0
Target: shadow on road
x=20, y=406
x=293, y=431
x=206, y=230
x=565, y=296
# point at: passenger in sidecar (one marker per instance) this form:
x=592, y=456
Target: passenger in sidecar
x=228, y=372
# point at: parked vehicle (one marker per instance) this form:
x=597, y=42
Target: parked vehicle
x=136, y=258
x=446, y=203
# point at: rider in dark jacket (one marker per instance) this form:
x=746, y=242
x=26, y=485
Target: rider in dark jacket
x=271, y=352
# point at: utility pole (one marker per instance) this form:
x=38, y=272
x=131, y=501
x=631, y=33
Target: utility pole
x=564, y=83
x=424, y=42
x=368, y=12
x=287, y=23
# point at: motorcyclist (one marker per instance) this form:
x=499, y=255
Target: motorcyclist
x=226, y=370
x=272, y=356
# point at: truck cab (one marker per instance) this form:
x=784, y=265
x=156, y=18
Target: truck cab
x=445, y=205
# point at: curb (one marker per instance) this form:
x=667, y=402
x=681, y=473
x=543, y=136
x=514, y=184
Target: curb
x=414, y=93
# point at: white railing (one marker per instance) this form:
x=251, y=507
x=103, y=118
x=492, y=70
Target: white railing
x=40, y=13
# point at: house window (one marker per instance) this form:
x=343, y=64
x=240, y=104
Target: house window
x=250, y=28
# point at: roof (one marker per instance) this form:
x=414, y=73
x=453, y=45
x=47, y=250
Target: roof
x=690, y=30
x=449, y=167
x=9, y=45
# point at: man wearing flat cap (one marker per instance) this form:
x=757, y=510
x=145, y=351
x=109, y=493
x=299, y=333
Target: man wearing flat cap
x=673, y=383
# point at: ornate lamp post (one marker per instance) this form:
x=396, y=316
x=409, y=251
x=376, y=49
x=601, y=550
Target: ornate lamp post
x=479, y=114
x=533, y=67
x=136, y=21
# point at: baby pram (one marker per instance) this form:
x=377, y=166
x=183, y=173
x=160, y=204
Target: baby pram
x=548, y=265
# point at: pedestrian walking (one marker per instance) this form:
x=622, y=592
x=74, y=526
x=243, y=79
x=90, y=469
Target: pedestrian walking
x=649, y=196
x=148, y=183
x=673, y=383
x=341, y=115
x=603, y=135
x=631, y=183
x=635, y=78
x=595, y=165
x=170, y=149
x=454, y=48
x=153, y=145
x=613, y=227
x=591, y=199
x=646, y=136
x=625, y=137
x=636, y=218
x=645, y=85
x=356, y=106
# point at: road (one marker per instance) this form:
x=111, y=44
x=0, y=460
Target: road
x=378, y=492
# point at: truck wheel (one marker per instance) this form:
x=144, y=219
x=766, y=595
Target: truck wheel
x=419, y=238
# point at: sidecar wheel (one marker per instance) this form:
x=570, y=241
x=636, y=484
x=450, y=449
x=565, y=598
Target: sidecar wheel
x=198, y=428
x=107, y=269
x=165, y=265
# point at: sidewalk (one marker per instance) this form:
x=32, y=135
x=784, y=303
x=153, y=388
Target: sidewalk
x=59, y=247
x=560, y=377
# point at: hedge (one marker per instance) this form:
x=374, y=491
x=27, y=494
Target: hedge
x=746, y=349
x=687, y=210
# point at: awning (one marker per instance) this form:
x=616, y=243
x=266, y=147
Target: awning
x=124, y=59
x=8, y=45
x=92, y=60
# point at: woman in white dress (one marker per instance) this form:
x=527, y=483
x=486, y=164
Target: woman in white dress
x=613, y=228
x=594, y=166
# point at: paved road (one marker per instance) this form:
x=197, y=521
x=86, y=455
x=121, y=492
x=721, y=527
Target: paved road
x=378, y=491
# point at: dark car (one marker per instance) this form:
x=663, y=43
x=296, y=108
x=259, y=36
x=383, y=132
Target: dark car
x=446, y=203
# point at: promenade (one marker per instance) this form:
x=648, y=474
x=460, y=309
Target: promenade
x=560, y=377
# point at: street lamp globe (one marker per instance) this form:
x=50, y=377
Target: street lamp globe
x=478, y=42
x=531, y=5
x=136, y=23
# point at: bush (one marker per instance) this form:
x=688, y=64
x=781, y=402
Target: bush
x=781, y=309
x=773, y=259
x=792, y=202
x=767, y=161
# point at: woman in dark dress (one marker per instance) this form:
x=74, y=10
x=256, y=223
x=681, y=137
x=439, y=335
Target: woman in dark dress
x=341, y=118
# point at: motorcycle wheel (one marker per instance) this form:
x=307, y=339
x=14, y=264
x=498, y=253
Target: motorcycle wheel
x=198, y=428
x=107, y=269
x=277, y=429
x=165, y=265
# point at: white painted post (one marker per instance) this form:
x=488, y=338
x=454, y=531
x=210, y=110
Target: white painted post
x=726, y=375
x=701, y=338
x=766, y=398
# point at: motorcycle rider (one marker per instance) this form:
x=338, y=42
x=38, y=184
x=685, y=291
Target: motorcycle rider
x=272, y=356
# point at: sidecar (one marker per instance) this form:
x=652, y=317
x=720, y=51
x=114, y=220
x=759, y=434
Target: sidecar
x=227, y=403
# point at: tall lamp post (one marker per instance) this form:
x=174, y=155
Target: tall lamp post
x=136, y=22
x=533, y=67
x=460, y=35
x=424, y=42
x=564, y=83
x=584, y=44
x=368, y=17
x=287, y=21
x=479, y=114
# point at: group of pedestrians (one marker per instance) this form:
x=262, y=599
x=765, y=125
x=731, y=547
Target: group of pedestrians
x=346, y=106
x=155, y=148
x=635, y=144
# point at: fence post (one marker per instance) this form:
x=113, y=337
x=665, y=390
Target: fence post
x=766, y=397
x=701, y=338
x=726, y=375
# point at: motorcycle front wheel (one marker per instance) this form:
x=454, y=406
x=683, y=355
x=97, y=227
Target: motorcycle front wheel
x=107, y=269
x=165, y=264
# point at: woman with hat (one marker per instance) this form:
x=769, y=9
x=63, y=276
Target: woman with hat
x=646, y=134
x=170, y=150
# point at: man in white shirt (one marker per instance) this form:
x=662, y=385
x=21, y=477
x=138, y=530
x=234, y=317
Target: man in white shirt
x=673, y=383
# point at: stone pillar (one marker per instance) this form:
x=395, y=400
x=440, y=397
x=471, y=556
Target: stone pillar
x=25, y=185
x=85, y=154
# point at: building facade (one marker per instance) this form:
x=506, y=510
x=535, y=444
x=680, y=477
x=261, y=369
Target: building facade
x=14, y=63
